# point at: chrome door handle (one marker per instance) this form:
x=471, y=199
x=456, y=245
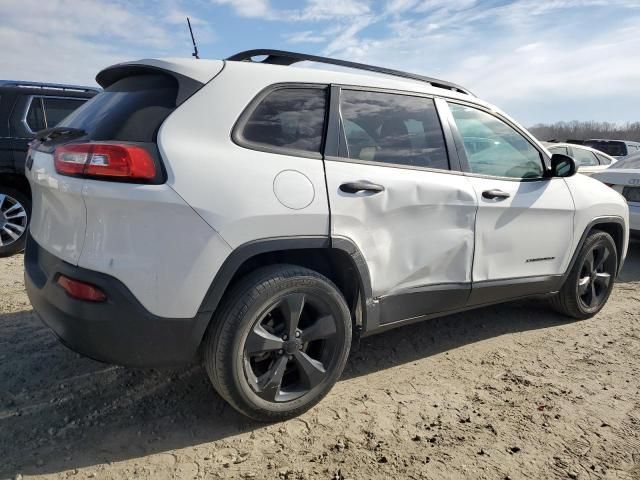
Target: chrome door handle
x=361, y=186
x=495, y=193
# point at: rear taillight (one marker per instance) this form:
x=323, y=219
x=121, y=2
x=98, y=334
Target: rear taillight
x=81, y=290
x=111, y=160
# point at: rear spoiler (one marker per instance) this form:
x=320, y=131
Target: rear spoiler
x=191, y=76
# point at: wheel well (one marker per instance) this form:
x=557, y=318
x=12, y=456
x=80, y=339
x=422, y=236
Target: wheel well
x=19, y=182
x=617, y=233
x=335, y=264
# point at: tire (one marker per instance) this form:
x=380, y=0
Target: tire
x=15, y=215
x=250, y=353
x=587, y=289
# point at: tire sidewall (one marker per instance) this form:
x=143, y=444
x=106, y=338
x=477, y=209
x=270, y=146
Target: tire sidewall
x=25, y=201
x=592, y=241
x=233, y=359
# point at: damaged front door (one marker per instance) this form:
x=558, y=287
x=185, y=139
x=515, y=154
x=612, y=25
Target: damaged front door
x=392, y=194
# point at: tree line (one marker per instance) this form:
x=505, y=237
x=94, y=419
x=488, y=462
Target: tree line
x=576, y=130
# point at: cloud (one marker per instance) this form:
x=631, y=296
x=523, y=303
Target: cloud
x=308, y=36
x=42, y=44
x=247, y=8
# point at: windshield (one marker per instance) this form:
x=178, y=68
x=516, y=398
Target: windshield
x=627, y=163
x=615, y=149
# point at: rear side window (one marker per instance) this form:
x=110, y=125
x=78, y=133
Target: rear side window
x=392, y=128
x=584, y=158
x=603, y=160
x=35, y=115
x=132, y=109
x=562, y=150
x=288, y=119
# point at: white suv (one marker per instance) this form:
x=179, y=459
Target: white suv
x=258, y=217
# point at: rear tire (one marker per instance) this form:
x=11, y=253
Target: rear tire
x=279, y=342
x=588, y=286
x=15, y=214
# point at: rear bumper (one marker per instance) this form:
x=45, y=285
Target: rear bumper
x=119, y=330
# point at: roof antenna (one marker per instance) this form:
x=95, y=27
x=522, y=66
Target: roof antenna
x=193, y=40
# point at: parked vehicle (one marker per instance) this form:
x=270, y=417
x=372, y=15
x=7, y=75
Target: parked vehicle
x=588, y=160
x=624, y=178
x=257, y=217
x=25, y=108
x=618, y=149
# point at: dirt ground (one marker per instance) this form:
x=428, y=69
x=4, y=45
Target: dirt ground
x=513, y=391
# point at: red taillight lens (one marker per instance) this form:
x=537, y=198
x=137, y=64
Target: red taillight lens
x=105, y=160
x=81, y=290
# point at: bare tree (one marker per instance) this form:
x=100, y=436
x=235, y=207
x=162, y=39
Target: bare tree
x=576, y=130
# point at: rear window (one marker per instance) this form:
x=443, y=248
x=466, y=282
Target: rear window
x=46, y=112
x=562, y=150
x=615, y=149
x=132, y=109
x=288, y=119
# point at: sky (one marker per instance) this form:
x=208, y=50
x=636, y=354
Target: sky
x=538, y=60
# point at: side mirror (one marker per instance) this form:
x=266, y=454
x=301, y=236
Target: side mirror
x=562, y=166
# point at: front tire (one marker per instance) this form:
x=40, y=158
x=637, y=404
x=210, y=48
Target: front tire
x=15, y=213
x=279, y=342
x=589, y=284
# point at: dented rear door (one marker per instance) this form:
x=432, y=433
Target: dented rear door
x=393, y=195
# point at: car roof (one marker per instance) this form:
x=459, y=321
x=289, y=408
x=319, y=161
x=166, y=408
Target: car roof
x=204, y=69
x=627, y=142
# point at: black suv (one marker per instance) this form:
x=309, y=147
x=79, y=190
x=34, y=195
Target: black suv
x=25, y=108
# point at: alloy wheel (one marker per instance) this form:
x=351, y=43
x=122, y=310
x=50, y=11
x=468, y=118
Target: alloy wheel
x=596, y=275
x=290, y=349
x=13, y=220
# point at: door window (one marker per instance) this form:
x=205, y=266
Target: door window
x=584, y=158
x=493, y=147
x=392, y=129
x=288, y=118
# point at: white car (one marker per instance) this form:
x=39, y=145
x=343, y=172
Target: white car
x=588, y=160
x=256, y=216
x=624, y=178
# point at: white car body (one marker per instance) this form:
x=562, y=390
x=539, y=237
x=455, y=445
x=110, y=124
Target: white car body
x=430, y=232
x=625, y=179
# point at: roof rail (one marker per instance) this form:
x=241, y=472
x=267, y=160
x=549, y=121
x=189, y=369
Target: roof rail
x=281, y=57
x=48, y=86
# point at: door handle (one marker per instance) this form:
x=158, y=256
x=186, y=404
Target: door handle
x=361, y=186
x=495, y=193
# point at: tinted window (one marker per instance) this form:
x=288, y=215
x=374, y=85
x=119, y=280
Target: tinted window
x=615, y=149
x=493, y=147
x=562, y=150
x=289, y=118
x=603, y=160
x=35, y=115
x=58, y=108
x=584, y=158
x=132, y=109
x=389, y=128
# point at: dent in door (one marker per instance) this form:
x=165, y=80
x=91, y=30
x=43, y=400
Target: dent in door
x=418, y=232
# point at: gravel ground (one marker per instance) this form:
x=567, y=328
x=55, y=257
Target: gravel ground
x=512, y=391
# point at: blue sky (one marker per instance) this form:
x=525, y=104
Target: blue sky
x=539, y=60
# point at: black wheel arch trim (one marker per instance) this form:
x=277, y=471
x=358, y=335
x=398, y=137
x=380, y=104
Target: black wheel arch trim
x=245, y=252
x=619, y=221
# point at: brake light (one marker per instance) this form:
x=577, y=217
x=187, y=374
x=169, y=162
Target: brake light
x=81, y=290
x=111, y=160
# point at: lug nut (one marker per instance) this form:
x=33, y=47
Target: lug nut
x=280, y=352
x=285, y=338
x=290, y=357
x=298, y=334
